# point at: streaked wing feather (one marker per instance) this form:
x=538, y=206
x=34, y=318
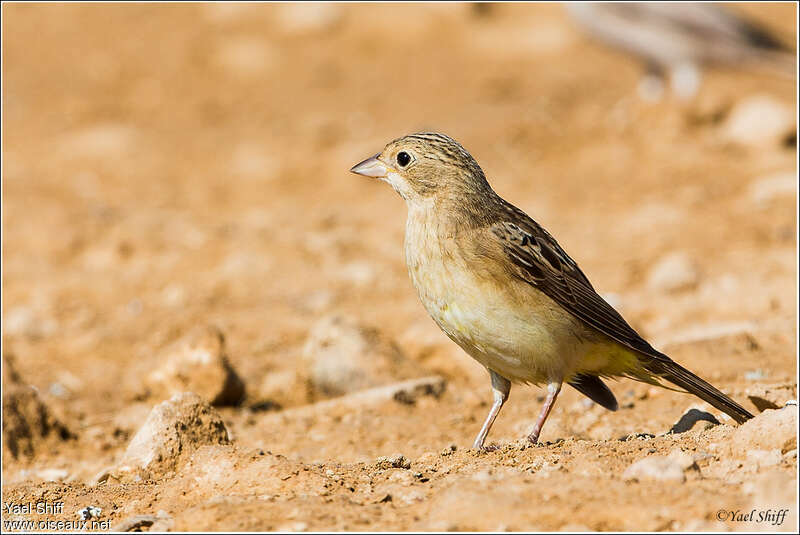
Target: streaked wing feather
x=541, y=262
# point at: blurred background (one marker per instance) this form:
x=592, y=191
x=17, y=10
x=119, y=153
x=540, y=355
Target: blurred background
x=170, y=169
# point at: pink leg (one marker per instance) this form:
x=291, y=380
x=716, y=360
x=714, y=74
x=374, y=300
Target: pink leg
x=500, y=387
x=553, y=389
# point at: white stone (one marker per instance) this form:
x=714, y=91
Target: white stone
x=759, y=120
x=656, y=468
x=173, y=428
x=198, y=364
x=343, y=356
x=674, y=272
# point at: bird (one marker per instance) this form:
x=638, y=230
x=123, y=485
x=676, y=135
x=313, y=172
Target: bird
x=502, y=288
x=675, y=39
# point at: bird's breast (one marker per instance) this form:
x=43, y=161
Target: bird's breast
x=507, y=326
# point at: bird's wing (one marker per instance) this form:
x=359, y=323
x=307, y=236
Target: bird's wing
x=537, y=259
x=713, y=22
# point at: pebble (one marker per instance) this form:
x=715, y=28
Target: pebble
x=396, y=460
x=673, y=273
x=173, y=428
x=283, y=388
x=342, y=356
x=683, y=459
x=759, y=120
x=198, y=364
x=656, y=468
x=448, y=450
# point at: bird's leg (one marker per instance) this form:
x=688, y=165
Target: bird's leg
x=553, y=388
x=500, y=388
x=651, y=86
x=685, y=79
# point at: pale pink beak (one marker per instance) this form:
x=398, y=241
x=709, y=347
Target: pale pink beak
x=371, y=167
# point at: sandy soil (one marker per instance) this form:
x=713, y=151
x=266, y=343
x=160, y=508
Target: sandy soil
x=167, y=168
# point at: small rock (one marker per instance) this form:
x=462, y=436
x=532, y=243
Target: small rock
x=448, y=450
x=90, y=512
x=674, y=272
x=409, y=393
x=173, y=428
x=397, y=460
x=772, y=429
x=683, y=459
x=198, y=364
x=343, y=356
x=284, y=388
x=655, y=469
x=764, y=190
x=759, y=120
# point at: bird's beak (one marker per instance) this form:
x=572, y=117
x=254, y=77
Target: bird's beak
x=371, y=167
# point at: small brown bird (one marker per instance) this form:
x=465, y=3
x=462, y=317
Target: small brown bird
x=501, y=287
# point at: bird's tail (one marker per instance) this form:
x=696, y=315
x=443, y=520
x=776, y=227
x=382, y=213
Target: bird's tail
x=673, y=372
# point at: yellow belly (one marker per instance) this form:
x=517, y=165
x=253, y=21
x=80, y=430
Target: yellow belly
x=504, y=323
x=518, y=332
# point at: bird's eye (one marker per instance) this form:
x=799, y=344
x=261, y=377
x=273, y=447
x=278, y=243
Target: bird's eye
x=403, y=158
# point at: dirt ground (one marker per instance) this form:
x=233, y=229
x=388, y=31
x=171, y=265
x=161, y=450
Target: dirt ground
x=167, y=168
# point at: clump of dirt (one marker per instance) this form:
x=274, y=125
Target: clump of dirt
x=29, y=425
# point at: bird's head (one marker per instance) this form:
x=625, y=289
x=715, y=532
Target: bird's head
x=426, y=165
